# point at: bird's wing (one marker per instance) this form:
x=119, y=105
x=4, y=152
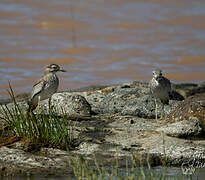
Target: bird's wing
x=165, y=83
x=38, y=87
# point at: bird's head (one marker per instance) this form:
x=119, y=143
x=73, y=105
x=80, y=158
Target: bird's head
x=157, y=73
x=53, y=68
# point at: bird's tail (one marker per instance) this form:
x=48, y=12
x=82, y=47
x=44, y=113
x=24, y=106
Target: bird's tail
x=31, y=106
x=30, y=109
x=165, y=101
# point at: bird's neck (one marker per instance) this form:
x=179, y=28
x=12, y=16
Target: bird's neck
x=49, y=73
x=157, y=77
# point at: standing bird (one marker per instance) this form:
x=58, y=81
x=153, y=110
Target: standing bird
x=45, y=87
x=160, y=88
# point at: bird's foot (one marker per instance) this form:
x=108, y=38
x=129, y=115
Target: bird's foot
x=162, y=116
x=51, y=109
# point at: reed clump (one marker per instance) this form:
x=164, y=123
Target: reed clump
x=40, y=130
x=131, y=170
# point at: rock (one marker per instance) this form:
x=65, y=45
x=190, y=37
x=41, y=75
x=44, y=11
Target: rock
x=125, y=99
x=71, y=105
x=188, y=119
x=4, y=101
x=96, y=102
x=21, y=105
x=183, y=129
x=189, y=89
x=122, y=124
x=132, y=98
x=140, y=138
x=136, y=101
x=178, y=154
x=19, y=162
x=193, y=106
x=7, y=110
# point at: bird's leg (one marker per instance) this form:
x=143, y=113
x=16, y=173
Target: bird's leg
x=156, y=107
x=30, y=109
x=162, y=113
x=30, y=113
x=38, y=106
x=49, y=105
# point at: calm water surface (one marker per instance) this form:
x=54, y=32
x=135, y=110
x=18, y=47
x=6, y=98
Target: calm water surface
x=100, y=42
x=171, y=174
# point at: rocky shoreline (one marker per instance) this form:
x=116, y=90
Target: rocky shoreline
x=118, y=121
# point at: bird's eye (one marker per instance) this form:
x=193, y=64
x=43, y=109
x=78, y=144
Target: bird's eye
x=54, y=67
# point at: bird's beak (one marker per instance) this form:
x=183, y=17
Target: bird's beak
x=62, y=70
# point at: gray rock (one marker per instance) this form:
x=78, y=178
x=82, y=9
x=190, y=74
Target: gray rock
x=185, y=128
x=16, y=161
x=96, y=102
x=134, y=101
x=179, y=154
x=189, y=89
x=21, y=105
x=71, y=105
x=117, y=130
x=7, y=110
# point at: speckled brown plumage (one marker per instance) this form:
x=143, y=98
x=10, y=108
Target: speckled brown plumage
x=45, y=87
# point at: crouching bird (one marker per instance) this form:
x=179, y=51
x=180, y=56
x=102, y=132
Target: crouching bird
x=45, y=87
x=160, y=88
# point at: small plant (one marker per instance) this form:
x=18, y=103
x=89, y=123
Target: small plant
x=133, y=170
x=38, y=130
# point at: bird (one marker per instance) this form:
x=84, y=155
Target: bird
x=45, y=87
x=160, y=88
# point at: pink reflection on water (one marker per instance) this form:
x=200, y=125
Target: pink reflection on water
x=100, y=42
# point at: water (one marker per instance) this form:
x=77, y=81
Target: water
x=100, y=42
x=171, y=174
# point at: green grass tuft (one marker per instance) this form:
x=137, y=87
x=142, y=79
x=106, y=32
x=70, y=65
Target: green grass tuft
x=83, y=169
x=40, y=129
